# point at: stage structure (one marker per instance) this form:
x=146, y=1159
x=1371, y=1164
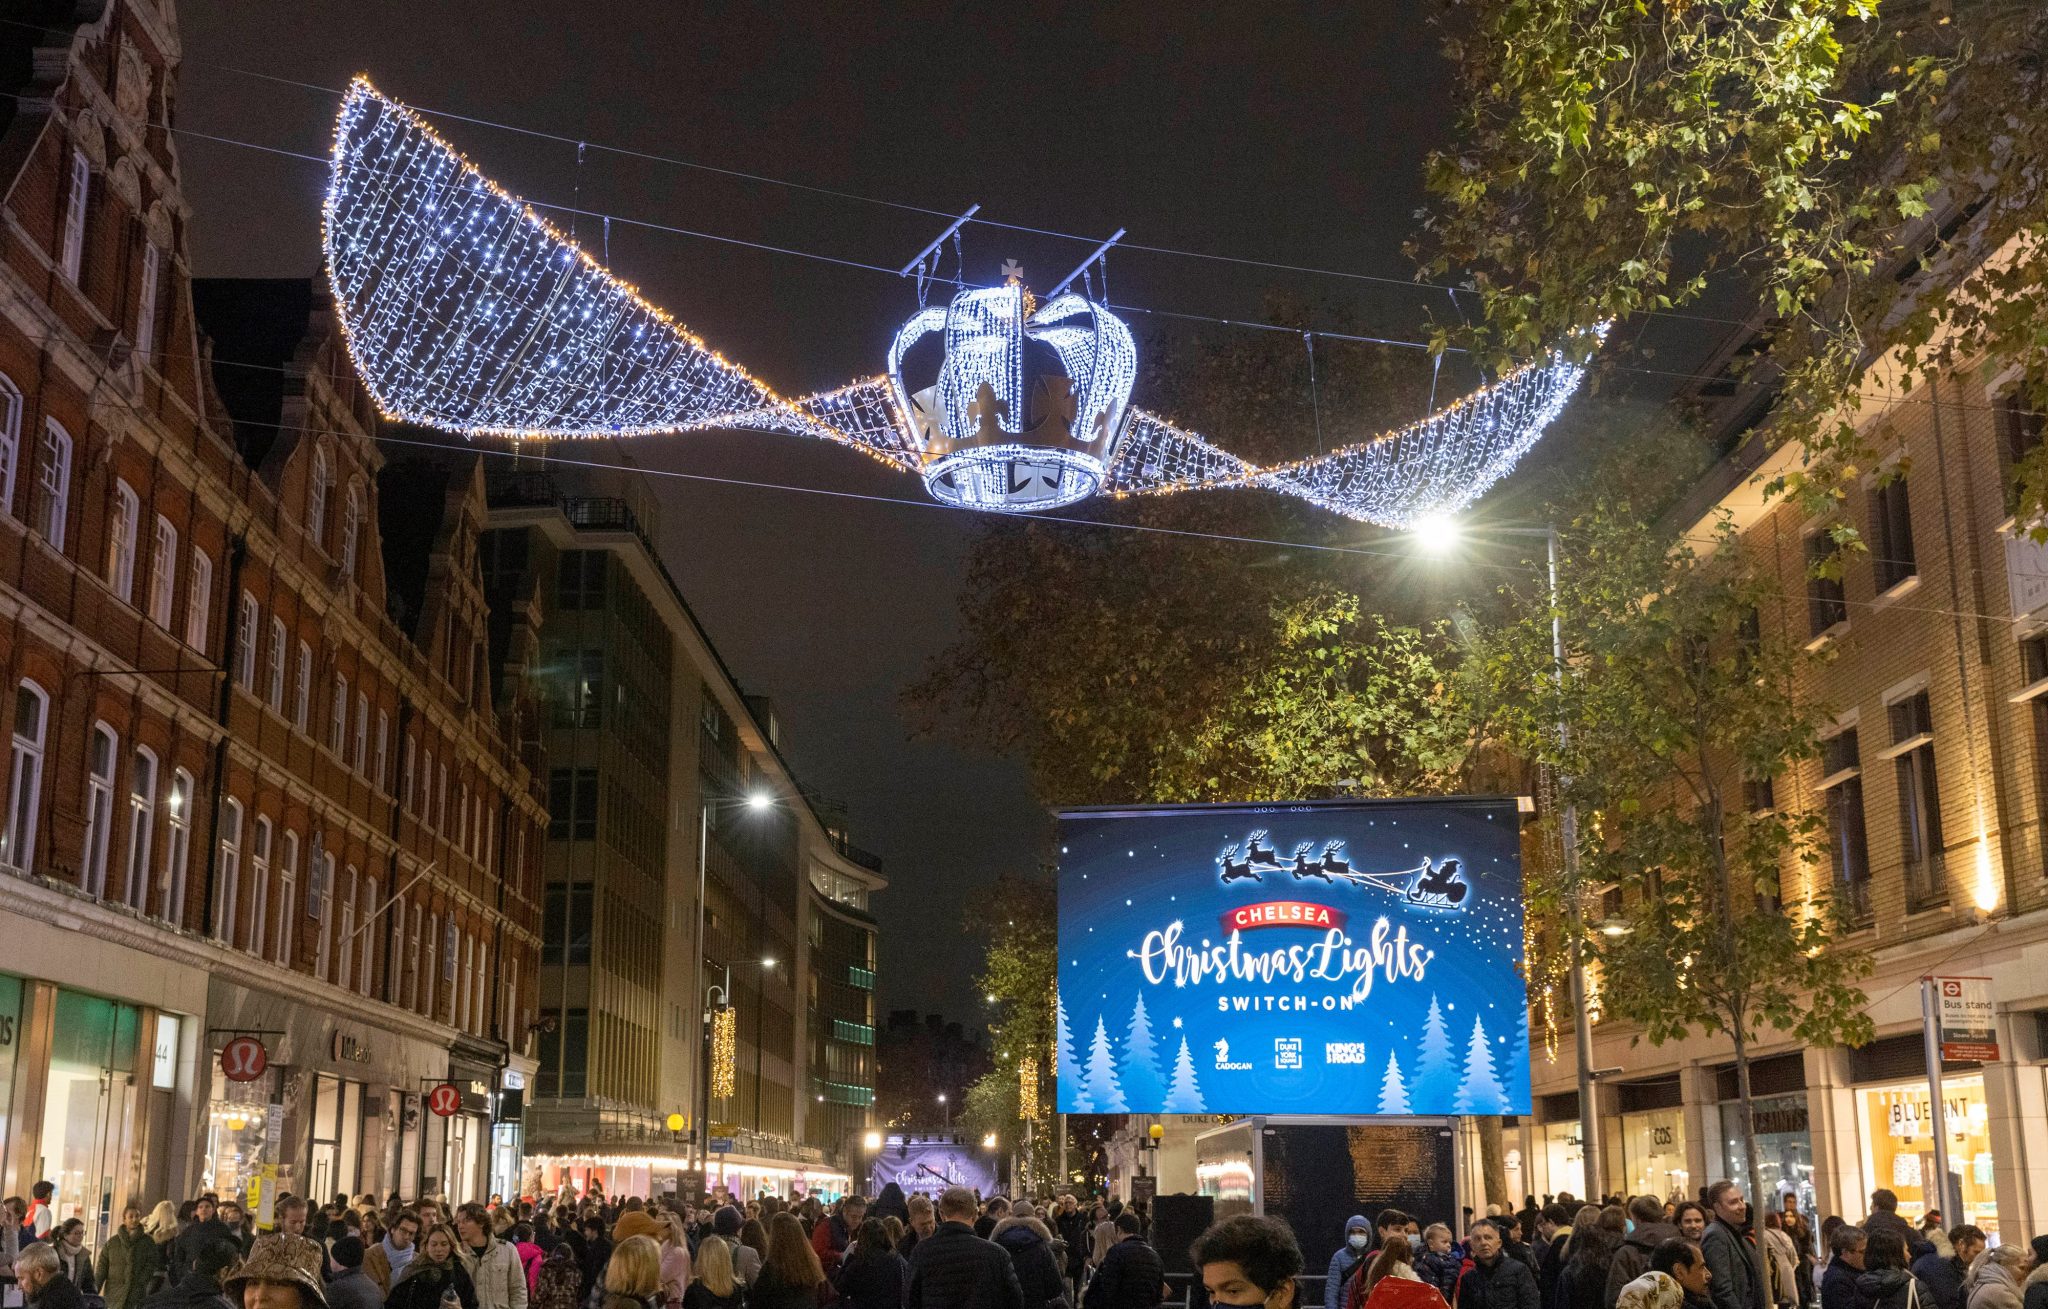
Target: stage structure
x=466, y=311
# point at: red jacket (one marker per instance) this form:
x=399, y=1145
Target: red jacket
x=830, y=1239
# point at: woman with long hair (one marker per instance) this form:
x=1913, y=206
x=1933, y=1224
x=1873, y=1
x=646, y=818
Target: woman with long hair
x=432, y=1272
x=754, y=1236
x=791, y=1276
x=632, y=1276
x=714, y=1286
x=873, y=1276
x=675, y=1258
x=1582, y=1284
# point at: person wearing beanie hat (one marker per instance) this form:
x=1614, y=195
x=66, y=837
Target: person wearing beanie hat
x=281, y=1272
x=636, y=1222
x=350, y=1287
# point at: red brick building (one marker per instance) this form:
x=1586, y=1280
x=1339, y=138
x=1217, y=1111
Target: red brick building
x=266, y=778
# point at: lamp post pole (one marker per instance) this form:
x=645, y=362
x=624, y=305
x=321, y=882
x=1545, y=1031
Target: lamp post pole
x=703, y=1087
x=1568, y=839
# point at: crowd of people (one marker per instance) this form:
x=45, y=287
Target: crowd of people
x=1650, y=1253
x=958, y=1251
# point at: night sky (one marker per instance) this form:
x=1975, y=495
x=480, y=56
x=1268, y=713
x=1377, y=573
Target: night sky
x=1268, y=132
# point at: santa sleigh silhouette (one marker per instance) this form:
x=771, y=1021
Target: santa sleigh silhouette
x=1430, y=883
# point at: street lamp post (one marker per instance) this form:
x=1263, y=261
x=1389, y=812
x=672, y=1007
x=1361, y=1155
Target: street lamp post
x=700, y=1131
x=1439, y=534
x=946, y=1108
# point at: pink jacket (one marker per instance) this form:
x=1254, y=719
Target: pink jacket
x=530, y=1257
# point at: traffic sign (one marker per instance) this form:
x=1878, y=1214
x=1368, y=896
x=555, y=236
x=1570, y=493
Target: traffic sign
x=244, y=1059
x=721, y=1145
x=445, y=1099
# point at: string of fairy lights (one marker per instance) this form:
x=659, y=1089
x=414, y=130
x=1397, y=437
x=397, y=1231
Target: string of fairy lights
x=464, y=309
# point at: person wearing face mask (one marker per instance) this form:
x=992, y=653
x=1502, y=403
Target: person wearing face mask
x=1349, y=1259
x=1246, y=1261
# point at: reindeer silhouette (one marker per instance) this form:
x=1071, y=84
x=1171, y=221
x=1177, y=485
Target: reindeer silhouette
x=1303, y=869
x=1259, y=854
x=1334, y=861
x=1236, y=872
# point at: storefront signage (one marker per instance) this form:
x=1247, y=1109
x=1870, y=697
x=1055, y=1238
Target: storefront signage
x=347, y=1050
x=1966, y=1018
x=244, y=1059
x=514, y=1080
x=1356, y=957
x=445, y=1099
x=163, y=1063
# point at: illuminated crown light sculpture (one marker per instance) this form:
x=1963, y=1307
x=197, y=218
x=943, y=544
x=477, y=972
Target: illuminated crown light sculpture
x=464, y=310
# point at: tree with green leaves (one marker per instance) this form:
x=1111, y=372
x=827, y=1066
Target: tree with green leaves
x=1850, y=166
x=1028, y=1025
x=1674, y=697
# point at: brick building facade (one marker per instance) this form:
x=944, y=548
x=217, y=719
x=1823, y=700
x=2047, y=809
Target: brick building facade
x=1933, y=782
x=265, y=778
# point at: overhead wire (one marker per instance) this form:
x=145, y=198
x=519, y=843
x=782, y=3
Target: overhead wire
x=903, y=206
x=1247, y=324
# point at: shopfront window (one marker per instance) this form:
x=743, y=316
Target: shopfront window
x=86, y=1109
x=1784, y=1148
x=1898, y=1147
x=10, y=1045
x=237, y=1137
x=337, y=1136
x=1564, y=1158
x=1653, y=1153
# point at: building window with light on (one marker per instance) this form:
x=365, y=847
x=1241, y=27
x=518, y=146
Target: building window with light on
x=1912, y=756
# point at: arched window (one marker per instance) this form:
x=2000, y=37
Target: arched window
x=320, y=906
x=141, y=827
x=345, y=946
x=121, y=533
x=199, y=600
x=368, y=936
x=10, y=440
x=259, y=887
x=104, y=751
x=177, y=848
x=163, y=572
x=316, y=498
x=287, y=897
x=351, y=531
x=228, y=885
x=25, y=776
x=274, y=692
x=53, y=484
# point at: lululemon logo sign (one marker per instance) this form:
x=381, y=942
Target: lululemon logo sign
x=445, y=1099
x=243, y=1059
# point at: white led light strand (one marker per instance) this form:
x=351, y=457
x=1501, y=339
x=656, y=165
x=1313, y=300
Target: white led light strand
x=464, y=310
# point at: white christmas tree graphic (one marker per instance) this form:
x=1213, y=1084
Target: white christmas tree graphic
x=1436, y=1073
x=1066, y=1069
x=1103, y=1091
x=1144, y=1085
x=1480, y=1092
x=1185, y=1095
x=1393, y=1091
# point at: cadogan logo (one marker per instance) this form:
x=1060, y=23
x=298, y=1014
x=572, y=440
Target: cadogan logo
x=1224, y=1062
x=1344, y=1052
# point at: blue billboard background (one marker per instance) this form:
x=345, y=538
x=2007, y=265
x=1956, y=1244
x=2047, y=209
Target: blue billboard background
x=1349, y=957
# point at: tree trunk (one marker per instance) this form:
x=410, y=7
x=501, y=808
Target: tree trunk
x=1738, y=1012
x=1493, y=1165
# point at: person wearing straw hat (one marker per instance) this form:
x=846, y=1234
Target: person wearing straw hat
x=280, y=1273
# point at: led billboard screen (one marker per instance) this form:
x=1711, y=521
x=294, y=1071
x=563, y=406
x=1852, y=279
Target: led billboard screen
x=1356, y=957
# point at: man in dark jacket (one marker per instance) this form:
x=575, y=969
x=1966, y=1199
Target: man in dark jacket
x=1944, y=1277
x=348, y=1287
x=1632, y=1260
x=1039, y=1273
x=199, y=1288
x=1490, y=1277
x=955, y=1269
x=1131, y=1275
x=1555, y=1227
x=995, y=1211
x=206, y=1228
x=1072, y=1226
x=42, y=1279
x=1884, y=1217
x=1730, y=1251
x=1838, y=1283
